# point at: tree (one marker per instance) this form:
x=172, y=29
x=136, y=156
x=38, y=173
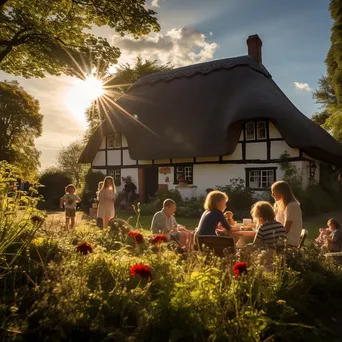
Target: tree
x=67, y=160
x=44, y=36
x=329, y=93
x=20, y=124
x=125, y=75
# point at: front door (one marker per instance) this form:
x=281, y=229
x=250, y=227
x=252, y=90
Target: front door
x=151, y=182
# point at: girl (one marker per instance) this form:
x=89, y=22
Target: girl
x=215, y=205
x=334, y=240
x=70, y=200
x=288, y=212
x=106, y=198
x=270, y=233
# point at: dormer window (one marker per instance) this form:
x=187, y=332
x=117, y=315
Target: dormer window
x=256, y=130
x=114, y=141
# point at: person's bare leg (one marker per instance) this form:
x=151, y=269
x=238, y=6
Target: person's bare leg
x=72, y=222
x=105, y=222
x=67, y=223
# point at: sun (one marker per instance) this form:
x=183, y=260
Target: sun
x=82, y=94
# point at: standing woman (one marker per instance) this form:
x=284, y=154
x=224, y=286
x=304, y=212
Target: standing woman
x=288, y=212
x=106, y=198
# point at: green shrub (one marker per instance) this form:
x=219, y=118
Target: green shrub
x=88, y=194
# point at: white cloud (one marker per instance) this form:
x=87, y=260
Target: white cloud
x=302, y=86
x=182, y=46
x=155, y=3
x=210, y=34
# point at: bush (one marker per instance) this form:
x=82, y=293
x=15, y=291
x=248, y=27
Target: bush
x=54, y=182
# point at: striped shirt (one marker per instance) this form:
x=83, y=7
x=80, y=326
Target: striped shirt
x=270, y=234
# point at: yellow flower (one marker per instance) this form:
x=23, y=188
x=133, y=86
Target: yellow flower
x=280, y=302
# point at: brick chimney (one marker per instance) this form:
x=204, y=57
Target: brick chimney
x=254, y=44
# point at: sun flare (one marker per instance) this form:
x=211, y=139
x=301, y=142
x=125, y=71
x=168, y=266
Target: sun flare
x=81, y=95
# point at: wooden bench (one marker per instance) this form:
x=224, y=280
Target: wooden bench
x=217, y=243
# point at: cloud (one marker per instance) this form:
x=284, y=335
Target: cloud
x=302, y=86
x=155, y=3
x=179, y=46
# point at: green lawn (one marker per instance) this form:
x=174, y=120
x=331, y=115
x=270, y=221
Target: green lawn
x=312, y=224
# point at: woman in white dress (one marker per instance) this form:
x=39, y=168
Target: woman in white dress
x=288, y=211
x=106, y=198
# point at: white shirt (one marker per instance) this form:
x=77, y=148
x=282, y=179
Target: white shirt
x=292, y=213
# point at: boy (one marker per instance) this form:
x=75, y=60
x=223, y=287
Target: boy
x=69, y=200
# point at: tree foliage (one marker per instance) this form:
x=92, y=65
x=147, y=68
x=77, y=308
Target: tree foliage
x=125, y=75
x=44, y=36
x=67, y=161
x=20, y=124
x=329, y=93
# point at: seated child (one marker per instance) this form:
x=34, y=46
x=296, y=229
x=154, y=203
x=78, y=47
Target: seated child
x=323, y=233
x=333, y=242
x=270, y=233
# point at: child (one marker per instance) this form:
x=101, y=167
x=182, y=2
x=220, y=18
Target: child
x=106, y=196
x=215, y=204
x=270, y=233
x=69, y=200
x=334, y=240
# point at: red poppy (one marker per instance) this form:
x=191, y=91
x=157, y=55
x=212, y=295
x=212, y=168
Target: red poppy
x=84, y=248
x=240, y=268
x=137, y=236
x=158, y=238
x=141, y=270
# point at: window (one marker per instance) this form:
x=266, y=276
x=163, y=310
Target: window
x=261, y=130
x=256, y=130
x=183, y=174
x=250, y=131
x=116, y=174
x=260, y=178
x=114, y=141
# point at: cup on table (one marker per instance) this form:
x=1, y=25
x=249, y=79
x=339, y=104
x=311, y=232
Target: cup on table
x=246, y=221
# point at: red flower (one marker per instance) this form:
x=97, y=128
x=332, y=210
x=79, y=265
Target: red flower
x=158, y=238
x=240, y=268
x=84, y=248
x=141, y=270
x=137, y=236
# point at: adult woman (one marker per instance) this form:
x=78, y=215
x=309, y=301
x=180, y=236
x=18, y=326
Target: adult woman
x=106, y=198
x=215, y=205
x=288, y=212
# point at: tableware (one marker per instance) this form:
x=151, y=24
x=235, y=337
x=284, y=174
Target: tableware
x=246, y=221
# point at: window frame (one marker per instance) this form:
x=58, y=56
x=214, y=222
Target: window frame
x=115, y=137
x=260, y=169
x=117, y=181
x=186, y=168
x=256, y=136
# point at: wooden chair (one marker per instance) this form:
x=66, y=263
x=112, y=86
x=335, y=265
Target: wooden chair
x=217, y=243
x=302, y=238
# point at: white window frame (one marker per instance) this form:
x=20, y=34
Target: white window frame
x=261, y=179
x=186, y=171
x=115, y=173
x=260, y=129
x=247, y=129
x=114, y=141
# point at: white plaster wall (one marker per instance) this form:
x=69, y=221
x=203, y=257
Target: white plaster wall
x=207, y=159
x=114, y=157
x=145, y=162
x=274, y=133
x=127, y=159
x=279, y=147
x=162, y=178
x=103, y=143
x=100, y=159
x=256, y=150
x=100, y=170
x=182, y=160
x=124, y=141
x=236, y=155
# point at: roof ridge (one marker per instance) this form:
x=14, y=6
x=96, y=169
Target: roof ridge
x=203, y=68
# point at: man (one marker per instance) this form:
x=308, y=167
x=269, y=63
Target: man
x=164, y=222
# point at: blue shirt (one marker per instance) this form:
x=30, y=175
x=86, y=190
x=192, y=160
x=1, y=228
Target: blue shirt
x=209, y=221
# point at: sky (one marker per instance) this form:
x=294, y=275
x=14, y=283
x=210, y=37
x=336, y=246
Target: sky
x=295, y=35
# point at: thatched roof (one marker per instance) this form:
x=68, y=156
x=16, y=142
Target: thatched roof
x=199, y=110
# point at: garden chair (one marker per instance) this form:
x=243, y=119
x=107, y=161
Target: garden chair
x=217, y=243
x=302, y=238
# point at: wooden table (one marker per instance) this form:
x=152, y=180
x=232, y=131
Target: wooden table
x=243, y=237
